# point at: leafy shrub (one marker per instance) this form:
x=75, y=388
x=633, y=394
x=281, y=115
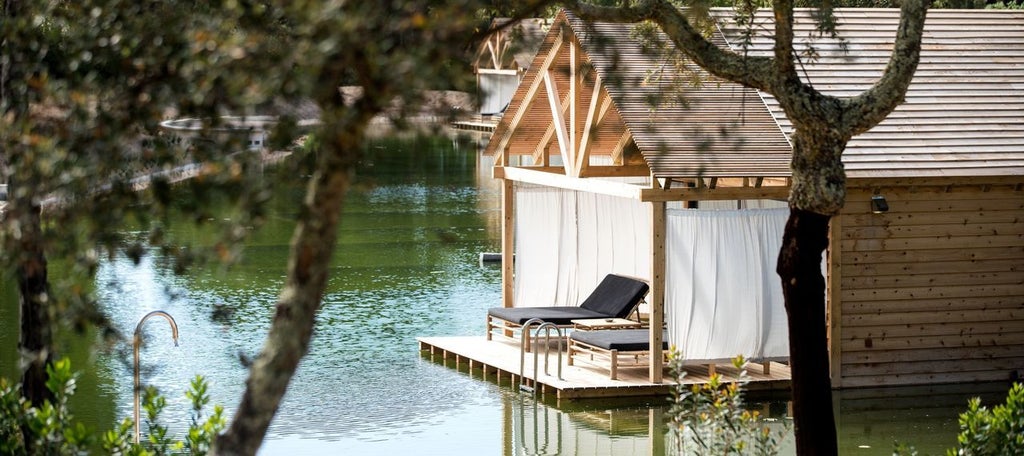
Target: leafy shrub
x=999, y=431
x=50, y=430
x=710, y=418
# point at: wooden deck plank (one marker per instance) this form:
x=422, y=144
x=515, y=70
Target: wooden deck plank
x=500, y=358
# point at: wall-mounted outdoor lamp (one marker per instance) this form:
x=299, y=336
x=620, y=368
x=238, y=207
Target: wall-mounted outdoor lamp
x=878, y=204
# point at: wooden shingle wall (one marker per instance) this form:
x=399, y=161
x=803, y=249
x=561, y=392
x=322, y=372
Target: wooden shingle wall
x=931, y=291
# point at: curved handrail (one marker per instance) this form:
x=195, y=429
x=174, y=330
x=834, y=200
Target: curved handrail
x=548, y=326
x=135, y=348
x=524, y=341
x=524, y=336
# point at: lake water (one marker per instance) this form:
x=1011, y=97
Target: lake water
x=406, y=265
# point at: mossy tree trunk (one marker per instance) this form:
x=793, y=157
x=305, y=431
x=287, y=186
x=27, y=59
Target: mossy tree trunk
x=312, y=246
x=35, y=340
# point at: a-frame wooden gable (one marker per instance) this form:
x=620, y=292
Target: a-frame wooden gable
x=596, y=103
x=563, y=117
x=511, y=47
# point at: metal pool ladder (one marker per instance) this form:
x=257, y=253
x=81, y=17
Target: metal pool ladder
x=523, y=341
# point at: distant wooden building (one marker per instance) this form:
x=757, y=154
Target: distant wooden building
x=502, y=60
x=926, y=263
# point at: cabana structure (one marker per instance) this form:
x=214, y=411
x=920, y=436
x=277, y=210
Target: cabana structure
x=609, y=164
x=502, y=60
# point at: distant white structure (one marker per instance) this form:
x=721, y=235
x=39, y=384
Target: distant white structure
x=252, y=131
x=502, y=61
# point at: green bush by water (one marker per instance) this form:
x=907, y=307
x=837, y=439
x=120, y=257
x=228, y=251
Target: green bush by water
x=710, y=418
x=999, y=431
x=50, y=429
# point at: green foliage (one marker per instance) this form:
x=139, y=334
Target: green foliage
x=902, y=449
x=157, y=434
x=85, y=85
x=201, y=432
x=118, y=441
x=11, y=413
x=51, y=430
x=999, y=431
x=1012, y=4
x=710, y=418
x=47, y=429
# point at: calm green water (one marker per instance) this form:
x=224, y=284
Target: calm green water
x=406, y=266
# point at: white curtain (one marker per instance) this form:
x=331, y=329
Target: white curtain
x=567, y=241
x=722, y=295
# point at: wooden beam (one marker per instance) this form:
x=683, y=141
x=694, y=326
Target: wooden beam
x=494, y=51
x=620, y=146
x=504, y=43
x=600, y=186
x=937, y=181
x=721, y=193
x=501, y=71
x=557, y=119
x=606, y=104
x=583, y=155
x=657, y=295
x=531, y=93
x=574, y=106
x=499, y=171
x=545, y=141
x=541, y=152
x=615, y=171
x=508, y=199
x=595, y=171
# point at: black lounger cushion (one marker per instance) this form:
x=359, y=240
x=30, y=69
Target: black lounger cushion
x=616, y=296
x=556, y=315
x=619, y=339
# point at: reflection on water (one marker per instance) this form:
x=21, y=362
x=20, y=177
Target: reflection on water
x=538, y=429
x=405, y=266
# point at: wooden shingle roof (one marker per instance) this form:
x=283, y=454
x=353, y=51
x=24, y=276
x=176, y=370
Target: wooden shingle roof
x=963, y=115
x=714, y=128
x=964, y=110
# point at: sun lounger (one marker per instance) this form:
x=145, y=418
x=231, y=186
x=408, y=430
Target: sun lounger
x=608, y=348
x=615, y=297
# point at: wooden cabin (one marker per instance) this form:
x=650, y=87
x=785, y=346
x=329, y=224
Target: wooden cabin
x=925, y=267
x=503, y=58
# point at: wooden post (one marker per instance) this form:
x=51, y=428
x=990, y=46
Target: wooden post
x=574, y=104
x=508, y=225
x=657, y=300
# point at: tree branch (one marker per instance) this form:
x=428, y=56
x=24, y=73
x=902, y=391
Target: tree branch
x=751, y=71
x=873, y=105
x=784, y=62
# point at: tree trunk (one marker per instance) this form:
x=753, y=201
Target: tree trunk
x=308, y=268
x=803, y=286
x=36, y=335
x=36, y=338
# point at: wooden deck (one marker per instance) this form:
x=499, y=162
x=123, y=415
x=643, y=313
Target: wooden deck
x=499, y=361
x=474, y=125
